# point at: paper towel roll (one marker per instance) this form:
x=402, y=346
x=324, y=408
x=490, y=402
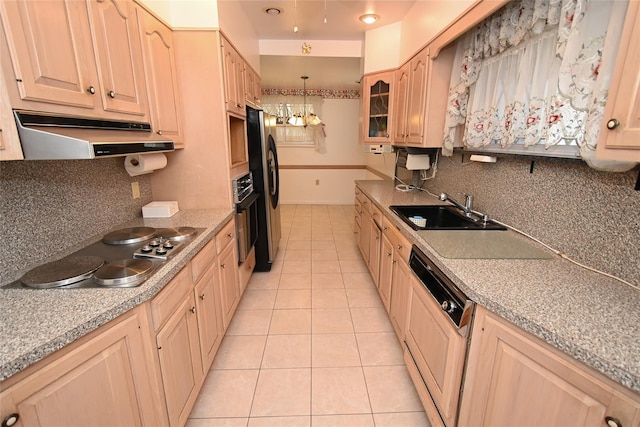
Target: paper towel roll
x=140, y=164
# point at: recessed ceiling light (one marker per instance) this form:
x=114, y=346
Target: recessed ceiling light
x=273, y=11
x=369, y=18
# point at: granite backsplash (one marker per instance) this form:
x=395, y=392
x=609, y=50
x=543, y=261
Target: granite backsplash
x=47, y=206
x=592, y=216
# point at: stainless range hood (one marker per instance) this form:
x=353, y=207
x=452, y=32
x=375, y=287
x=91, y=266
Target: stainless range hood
x=46, y=136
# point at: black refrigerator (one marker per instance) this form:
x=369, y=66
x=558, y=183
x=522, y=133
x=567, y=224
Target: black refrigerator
x=263, y=163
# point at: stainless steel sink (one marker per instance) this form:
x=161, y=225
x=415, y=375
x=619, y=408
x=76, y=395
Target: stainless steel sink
x=437, y=217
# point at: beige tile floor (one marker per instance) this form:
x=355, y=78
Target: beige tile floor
x=310, y=343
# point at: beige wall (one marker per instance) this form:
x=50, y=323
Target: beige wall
x=383, y=163
x=186, y=13
x=381, y=48
x=425, y=20
x=335, y=185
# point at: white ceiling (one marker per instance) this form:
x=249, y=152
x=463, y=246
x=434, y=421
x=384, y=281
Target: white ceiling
x=342, y=24
x=342, y=18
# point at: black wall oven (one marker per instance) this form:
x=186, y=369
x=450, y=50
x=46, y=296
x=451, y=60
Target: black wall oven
x=245, y=200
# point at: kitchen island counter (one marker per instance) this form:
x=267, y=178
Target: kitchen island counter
x=37, y=322
x=589, y=316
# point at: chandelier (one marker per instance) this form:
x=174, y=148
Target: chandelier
x=305, y=118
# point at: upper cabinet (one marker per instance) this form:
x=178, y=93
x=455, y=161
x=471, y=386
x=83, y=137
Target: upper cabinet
x=118, y=53
x=253, y=87
x=160, y=74
x=620, y=132
x=378, y=92
x=411, y=101
x=97, y=67
x=422, y=87
x=10, y=148
x=234, y=79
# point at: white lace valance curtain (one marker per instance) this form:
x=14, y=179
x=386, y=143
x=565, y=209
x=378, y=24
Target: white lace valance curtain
x=285, y=106
x=536, y=72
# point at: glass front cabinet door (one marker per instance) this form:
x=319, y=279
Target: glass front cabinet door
x=378, y=106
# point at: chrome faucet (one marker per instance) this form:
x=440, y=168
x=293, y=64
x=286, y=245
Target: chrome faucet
x=467, y=208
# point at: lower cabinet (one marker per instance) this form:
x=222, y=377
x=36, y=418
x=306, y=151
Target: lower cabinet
x=386, y=270
x=399, y=292
x=174, y=317
x=179, y=353
x=396, y=284
x=105, y=380
x=229, y=283
x=144, y=368
x=515, y=379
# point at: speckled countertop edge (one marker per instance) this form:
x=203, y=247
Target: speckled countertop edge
x=556, y=301
x=37, y=322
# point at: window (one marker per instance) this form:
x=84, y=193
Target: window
x=292, y=134
x=533, y=79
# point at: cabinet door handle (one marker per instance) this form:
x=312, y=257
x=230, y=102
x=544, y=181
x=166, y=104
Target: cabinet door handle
x=399, y=247
x=111, y=94
x=230, y=235
x=193, y=309
x=159, y=132
x=222, y=265
x=91, y=90
x=612, y=422
x=388, y=253
x=202, y=297
x=10, y=420
x=612, y=124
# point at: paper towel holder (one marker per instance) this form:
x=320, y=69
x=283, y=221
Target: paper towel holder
x=141, y=164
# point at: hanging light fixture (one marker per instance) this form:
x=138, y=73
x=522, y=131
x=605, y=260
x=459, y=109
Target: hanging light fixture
x=325, y=11
x=304, y=119
x=295, y=16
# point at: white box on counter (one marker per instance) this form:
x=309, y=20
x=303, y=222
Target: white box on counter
x=160, y=209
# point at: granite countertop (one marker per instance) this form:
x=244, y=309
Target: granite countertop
x=37, y=322
x=591, y=317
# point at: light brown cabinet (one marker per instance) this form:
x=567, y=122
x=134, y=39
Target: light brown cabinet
x=514, y=378
x=210, y=329
x=253, y=87
x=10, y=148
x=401, y=249
x=165, y=104
x=234, y=79
x=410, y=99
x=378, y=96
x=386, y=270
x=230, y=289
x=119, y=56
x=104, y=380
x=174, y=315
x=422, y=87
x=97, y=69
x=620, y=131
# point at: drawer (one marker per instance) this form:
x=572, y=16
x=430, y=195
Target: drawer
x=167, y=301
x=203, y=260
x=376, y=215
x=226, y=235
x=400, y=243
x=366, y=205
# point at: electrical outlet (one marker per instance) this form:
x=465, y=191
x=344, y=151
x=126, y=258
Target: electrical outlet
x=135, y=190
x=317, y=182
